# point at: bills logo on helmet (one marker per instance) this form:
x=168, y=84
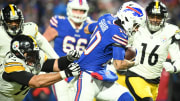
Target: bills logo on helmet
x=137, y=11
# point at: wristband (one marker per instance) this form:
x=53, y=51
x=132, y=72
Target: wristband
x=62, y=74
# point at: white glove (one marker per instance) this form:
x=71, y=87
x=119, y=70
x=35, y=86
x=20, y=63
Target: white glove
x=72, y=70
x=73, y=55
x=169, y=67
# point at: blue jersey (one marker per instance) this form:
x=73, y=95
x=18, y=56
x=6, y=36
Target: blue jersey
x=68, y=38
x=105, y=40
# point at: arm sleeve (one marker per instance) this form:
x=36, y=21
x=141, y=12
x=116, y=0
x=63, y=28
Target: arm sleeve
x=118, y=53
x=21, y=77
x=174, y=52
x=92, y=26
x=48, y=65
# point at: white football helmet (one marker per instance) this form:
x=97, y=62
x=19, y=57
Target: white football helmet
x=80, y=5
x=131, y=14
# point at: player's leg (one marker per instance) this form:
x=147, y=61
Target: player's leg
x=115, y=92
x=86, y=87
x=141, y=89
x=155, y=92
x=62, y=91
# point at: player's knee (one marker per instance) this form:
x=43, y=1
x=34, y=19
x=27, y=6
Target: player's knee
x=126, y=97
x=147, y=99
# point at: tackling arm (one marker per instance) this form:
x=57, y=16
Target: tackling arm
x=45, y=46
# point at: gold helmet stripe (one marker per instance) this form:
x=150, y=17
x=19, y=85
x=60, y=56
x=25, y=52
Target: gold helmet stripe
x=35, y=43
x=12, y=9
x=157, y=4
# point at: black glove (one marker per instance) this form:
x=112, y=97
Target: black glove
x=72, y=70
x=73, y=55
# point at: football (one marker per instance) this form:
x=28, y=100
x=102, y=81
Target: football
x=130, y=53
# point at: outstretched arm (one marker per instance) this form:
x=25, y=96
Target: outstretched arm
x=41, y=80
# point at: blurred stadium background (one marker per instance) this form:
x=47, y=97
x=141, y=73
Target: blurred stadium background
x=40, y=11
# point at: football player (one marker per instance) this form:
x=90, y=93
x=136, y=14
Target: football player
x=13, y=25
x=22, y=64
x=153, y=43
x=68, y=34
x=108, y=41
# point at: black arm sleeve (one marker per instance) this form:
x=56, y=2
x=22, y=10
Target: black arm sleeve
x=63, y=62
x=21, y=77
x=48, y=65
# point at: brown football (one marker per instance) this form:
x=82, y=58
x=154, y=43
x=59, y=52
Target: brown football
x=130, y=53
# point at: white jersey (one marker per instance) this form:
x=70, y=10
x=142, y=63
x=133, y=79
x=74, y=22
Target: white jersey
x=30, y=28
x=12, y=91
x=153, y=49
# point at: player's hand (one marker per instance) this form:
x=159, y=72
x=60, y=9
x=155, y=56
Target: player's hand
x=136, y=61
x=72, y=70
x=169, y=67
x=73, y=55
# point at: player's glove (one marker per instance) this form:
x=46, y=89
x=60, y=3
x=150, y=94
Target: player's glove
x=73, y=55
x=169, y=67
x=72, y=70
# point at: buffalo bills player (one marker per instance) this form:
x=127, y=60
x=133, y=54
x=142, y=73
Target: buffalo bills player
x=68, y=34
x=108, y=41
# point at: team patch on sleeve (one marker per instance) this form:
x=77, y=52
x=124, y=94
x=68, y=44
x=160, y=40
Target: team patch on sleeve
x=13, y=67
x=120, y=40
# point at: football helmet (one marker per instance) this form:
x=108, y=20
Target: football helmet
x=156, y=10
x=79, y=5
x=12, y=19
x=131, y=15
x=26, y=48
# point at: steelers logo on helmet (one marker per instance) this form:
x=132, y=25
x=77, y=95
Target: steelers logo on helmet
x=15, y=45
x=25, y=47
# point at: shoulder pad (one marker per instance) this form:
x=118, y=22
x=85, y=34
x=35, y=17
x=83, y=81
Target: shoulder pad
x=30, y=28
x=30, y=24
x=89, y=20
